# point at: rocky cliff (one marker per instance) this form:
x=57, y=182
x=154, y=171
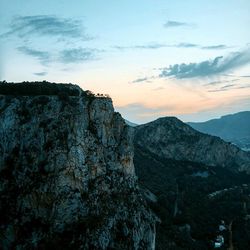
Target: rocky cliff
x=66, y=173
x=170, y=138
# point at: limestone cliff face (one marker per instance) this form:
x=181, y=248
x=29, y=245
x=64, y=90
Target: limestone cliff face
x=67, y=176
x=170, y=138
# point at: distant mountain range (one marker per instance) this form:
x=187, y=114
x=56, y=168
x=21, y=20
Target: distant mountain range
x=233, y=128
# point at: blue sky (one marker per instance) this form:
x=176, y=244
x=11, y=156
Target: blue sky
x=156, y=58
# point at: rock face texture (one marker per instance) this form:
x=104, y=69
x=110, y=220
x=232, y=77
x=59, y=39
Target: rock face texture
x=170, y=138
x=67, y=176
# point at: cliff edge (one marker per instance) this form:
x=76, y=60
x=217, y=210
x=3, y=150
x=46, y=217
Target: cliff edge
x=66, y=172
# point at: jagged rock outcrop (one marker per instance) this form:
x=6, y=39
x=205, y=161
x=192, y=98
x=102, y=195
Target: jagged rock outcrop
x=67, y=176
x=170, y=138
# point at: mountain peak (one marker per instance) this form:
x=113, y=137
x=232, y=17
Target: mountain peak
x=169, y=137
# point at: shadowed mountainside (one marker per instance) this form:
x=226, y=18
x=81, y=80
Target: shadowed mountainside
x=192, y=181
x=170, y=138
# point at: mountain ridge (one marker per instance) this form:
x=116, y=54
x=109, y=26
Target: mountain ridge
x=171, y=138
x=233, y=128
x=198, y=180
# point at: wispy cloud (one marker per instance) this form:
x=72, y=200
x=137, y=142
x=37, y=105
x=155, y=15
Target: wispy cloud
x=215, y=66
x=77, y=55
x=46, y=25
x=66, y=56
x=186, y=45
x=175, y=24
x=244, y=87
x=43, y=56
x=40, y=73
x=221, y=82
x=153, y=46
x=146, y=79
x=214, y=47
x=143, y=79
x=146, y=46
x=230, y=87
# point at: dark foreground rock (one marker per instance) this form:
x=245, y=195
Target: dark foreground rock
x=67, y=177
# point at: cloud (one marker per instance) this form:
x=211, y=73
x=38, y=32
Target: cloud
x=229, y=87
x=215, y=47
x=175, y=24
x=43, y=56
x=143, y=79
x=40, y=73
x=186, y=45
x=214, y=83
x=152, y=46
x=244, y=87
x=218, y=65
x=220, y=82
x=77, y=55
x=46, y=25
x=146, y=46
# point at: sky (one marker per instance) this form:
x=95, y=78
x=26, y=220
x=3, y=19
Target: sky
x=155, y=58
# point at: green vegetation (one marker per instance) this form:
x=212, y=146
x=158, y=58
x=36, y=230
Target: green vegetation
x=38, y=88
x=176, y=186
x=62, y=90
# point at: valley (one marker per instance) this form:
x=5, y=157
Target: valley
x=190, y=215
x=193, y=197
